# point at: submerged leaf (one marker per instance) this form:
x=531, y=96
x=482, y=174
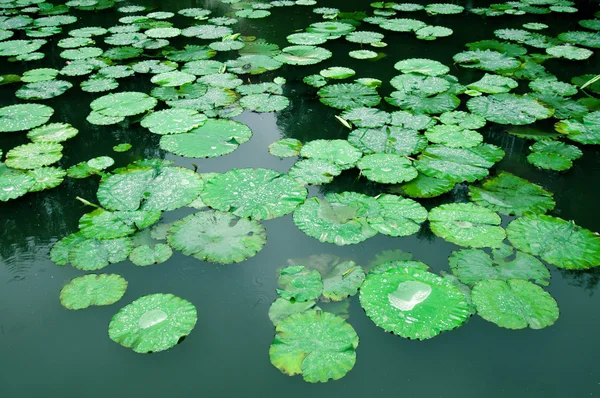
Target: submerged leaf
x=298, y=283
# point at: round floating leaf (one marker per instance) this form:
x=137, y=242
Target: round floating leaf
x=23, y=116
x=333, y=28
x=155, y=66
x=413, y=83
x=101, y=120
x=81, y=53
x=286, y=148
x=363, y=54
x=586, y=39
x=556, y=241
x=337, y=72
x=32, y=156
x=338, y=152
x=402, y=25
x=408, y=120
x=53, y=132
x=553, y=87
x=493, y=84
x=388, y=139
x=217, y=237
x=443, y=8
x=103, y=224
x=509, y=109
x=458, y=164
x=364, y=37
x=413, y=303
x=424, y=187
x=453, y=136
x=214, y=138
x=14, y=183
x=254, y=64
x=123, y=104
x=264, y=102
x=569, y=52
x=97, y=85
x=303, y=55
x=101, y=162
x=553, y=155
x=512, y=195
x=261, y=194
x=190, y=53
x=423, y=66
x=342, y=281
x=466, y=224
x=307, y=39
x=488, y=60
x=282, y=308
x=514, y=304
x=387, y=168
x=11, y=48
x=122, y=147
x=299, y=283
x=92, y=289
x=145, y=255
x=315, y=80
x=464, y=120
x=474, y=265
x=46, y=178
x=39, y=75
x=314, y=171
x=172, y=79
x=398, y=216
x=319, y=345
x=43, y=90
x=252, y=14
x=433, y=32
x=348, y=95
x=337, y=218
x=149, y=188
x=418, y=103
x=587, y=132
x=93, y=254
x=153, y=323
x=173, y=121
x=366, y=117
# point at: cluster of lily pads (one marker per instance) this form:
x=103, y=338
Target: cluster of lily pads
x=416, y=144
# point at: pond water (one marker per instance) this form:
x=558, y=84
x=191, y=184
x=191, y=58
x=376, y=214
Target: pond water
x=47, y=350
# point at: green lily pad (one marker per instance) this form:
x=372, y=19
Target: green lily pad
x=298, y=283
x=362, y=54
x=474, y=265
x=53, y=132
x=43, y=90
x=92, y=289
x=46, y=178
x=553, y=155
x=343, y=280
x=337, y=218
x=348, y=95
x=512, y=195
x=487, y=60
x=493, y=84
x=509, y=109
x=414, y=83
x=81, y=53
x=253, y=64
x=398, y=216
x=333, y=28
x=586, y=132
x=586, y=39
x=453, y=136
x=98, y=85
x=103, y=224
x=514, y=304
x=172, y=79
x=14, y=183
x=149, y=188
x=413, y=303
x=307, y=39
x=286, y=148
x=366, y=117
x=423, y=66
x=388, y=139
x=303, y=55
x=338, y=152
x=217, y=237
x=402, y=25
x=39, y=75
x=122, y=147
x=213, y=138
x=466, y=224
x=93, y=254
x=424, y=187
x=556, y=241
x=387, y=168
x=364, y=37
x=553, y=87
x=314, y=171
x=34, y=155
x=173, y=121
x=418, y=103
x=410, y=121
x=464, y=120
x=433, y=32
x=261, y=194
x=510, y=49
x=252, y=14
x=264, y=102
x=318, y=345
x=123, y=104
x=570, y=52
x=10, y=48
x=190, y=53
x=155, y=66
x=458, y=164
x=153, y=323
x=282, y=308
x=443, y=8
x=23, y=116
x=337, y=72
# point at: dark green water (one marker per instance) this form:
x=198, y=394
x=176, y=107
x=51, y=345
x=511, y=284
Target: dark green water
x=46, y=350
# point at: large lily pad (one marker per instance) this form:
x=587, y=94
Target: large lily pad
x=14, y=183
x=556, y=241
x=412, y=303
x=299, y=283
x=53, y=132
x=303, y=55
x=348, y=95
x=34, y=155
x=423, y=66
x=509, y=109
x=261, y=194
x=43, y=90
x=466, y=224
x=337, y=218
x=398, y=216
x=486, y=60
x=514, y=304
x=92, y=289
x=217, y=237
x=23, y=116
x=512, y=195
x=388, y=139
x=316, y=344
x=123, y=104
x=153, y=323
x=474, y=265
x=149, y=188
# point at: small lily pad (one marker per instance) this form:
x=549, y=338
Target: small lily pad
x=92, y=289
x=298, y=283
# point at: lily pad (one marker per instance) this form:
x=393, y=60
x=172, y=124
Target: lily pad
x=387, y=168
x=261, y=194
x=103, y=224
x=509, y=109
x=253, y=64
x=487, y=60
x=453, y=136
x=388, y=139
x=213, y=138
x=53, y=132
x=433, y=32
x=514, y=304
x=39, y=75
x=337, y=218
x=46, y=178
x=493, y=84
x=264, y=102
x=556, y=241
x=413, y=303
x=286, y=148
x=364, y=37
x=316, y=344
x=314, y=171
x=443, y=8
x=424, y=187
x=423, y=66
x=23, y=116
x=173, y=121
x=466, y=224
x=553, y=155
x=586, y=132
x=342, y=281
x=93, y=254
x=464, y=120
x=570, y=52
x=92, y=289
x=303, y=55
x=123, y=104
x=153, y=323
x=43, y=90
x=14, y=183
x=398, y=216
x=34, y=155
x=298, y=283
x=366, y=117
x=348, y=95
x=338, y=152
x=402, y=25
